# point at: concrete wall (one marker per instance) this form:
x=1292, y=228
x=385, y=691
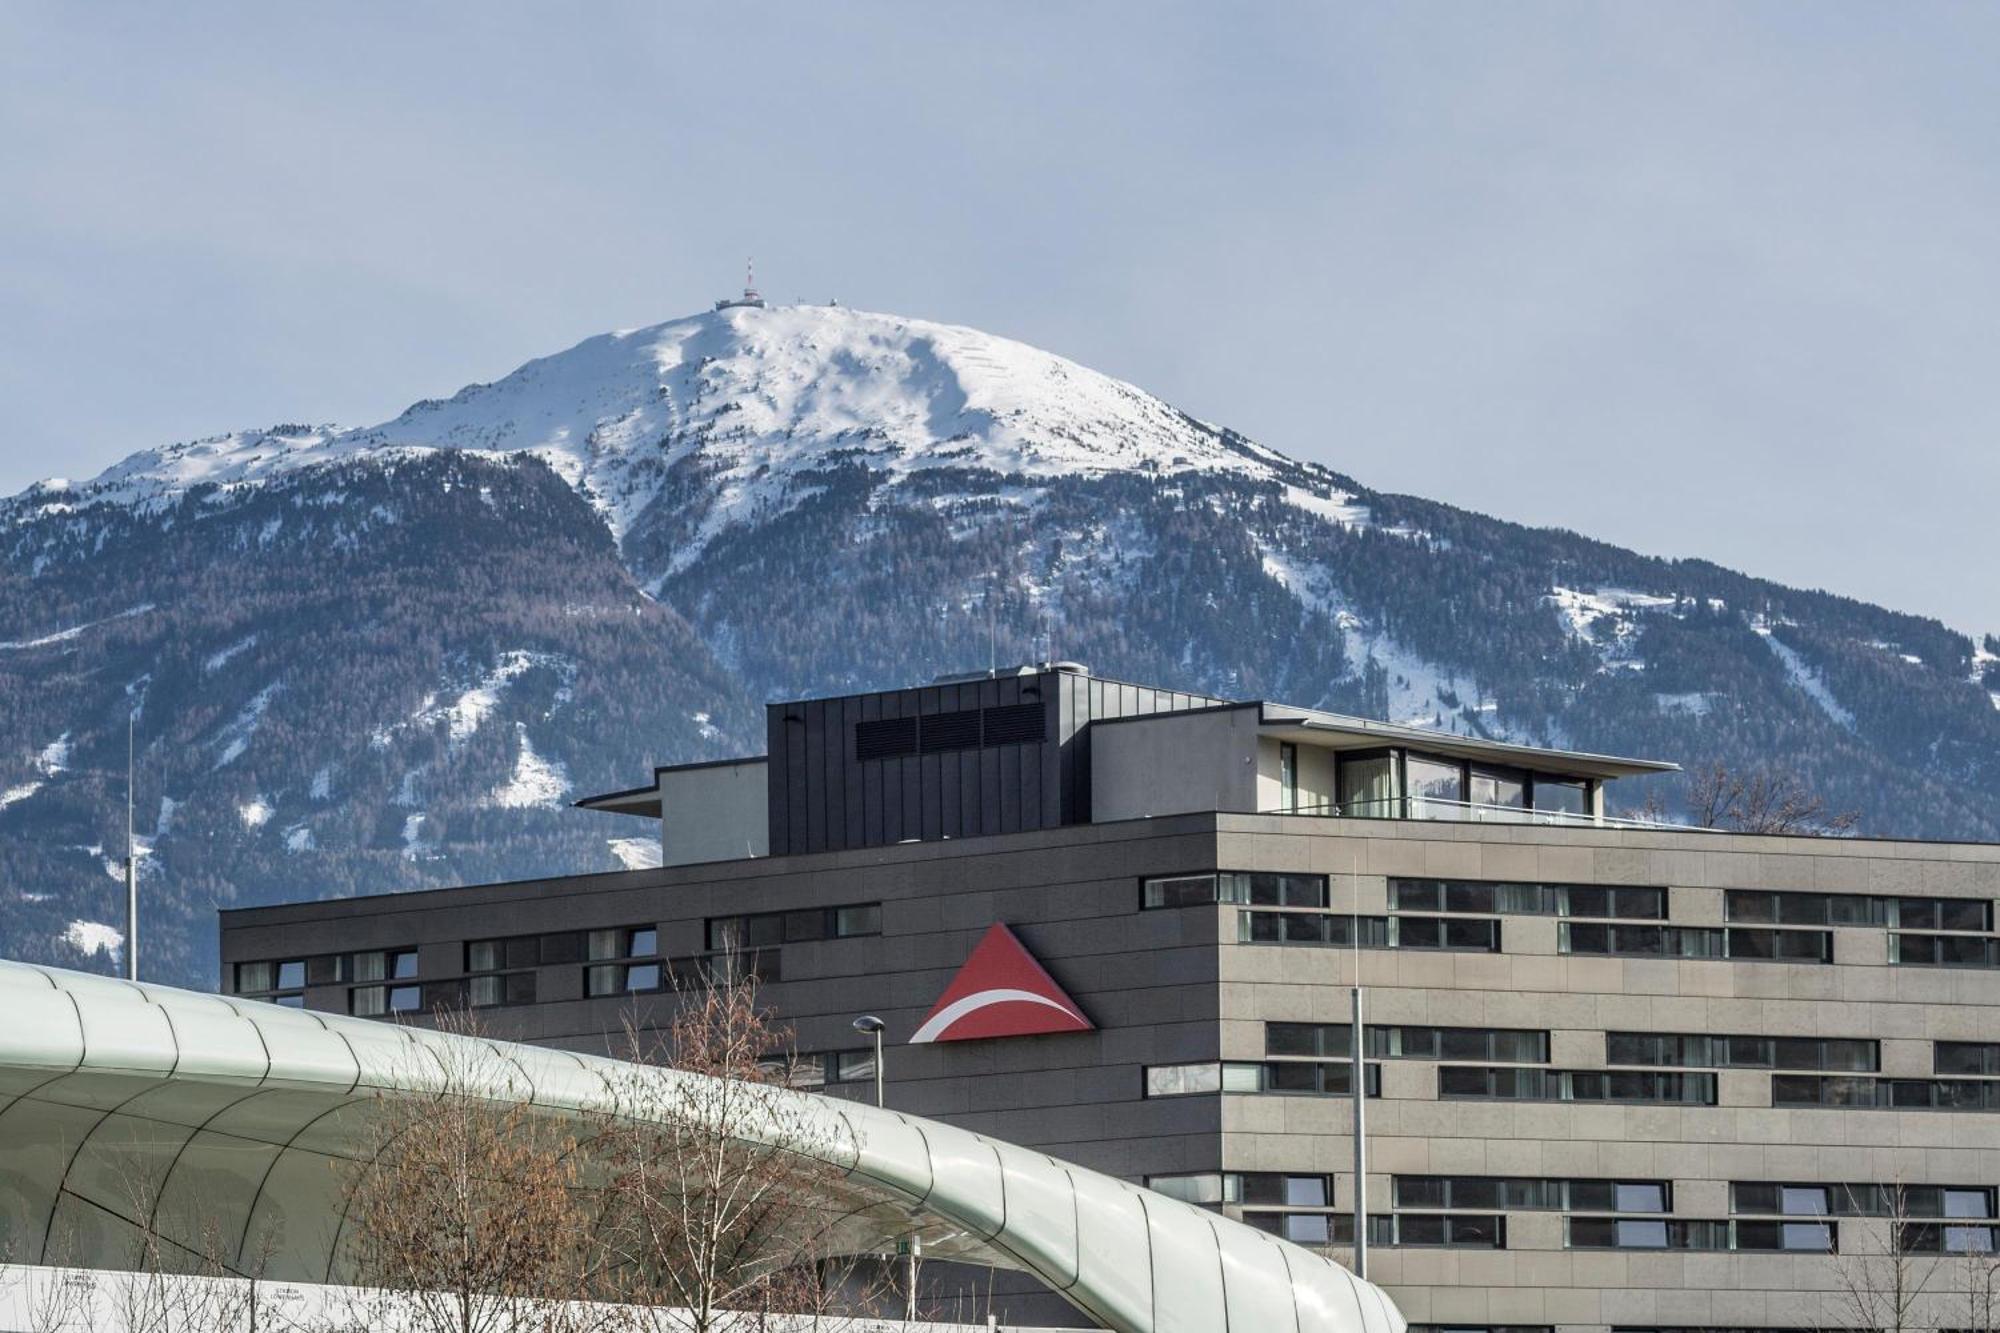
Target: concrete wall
x=717, y=812
x=1177, y=763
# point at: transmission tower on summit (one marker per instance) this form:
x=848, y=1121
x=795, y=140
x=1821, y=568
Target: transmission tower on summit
x=751, y=296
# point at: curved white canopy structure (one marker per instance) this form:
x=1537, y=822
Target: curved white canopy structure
x=234, y=1112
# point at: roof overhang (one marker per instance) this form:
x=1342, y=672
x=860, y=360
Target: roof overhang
x=648, y=801
x=1337, y=731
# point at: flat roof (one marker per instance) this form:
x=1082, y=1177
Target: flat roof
x=1315, y=727
x=646, y=800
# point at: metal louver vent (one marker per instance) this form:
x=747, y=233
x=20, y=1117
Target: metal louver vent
x=885, y=738
x=1013, y=724
x=951, y=731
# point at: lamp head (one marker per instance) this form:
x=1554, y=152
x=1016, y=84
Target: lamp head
x=869, y=1023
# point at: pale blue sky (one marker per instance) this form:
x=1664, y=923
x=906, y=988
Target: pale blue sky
x=1714, y=280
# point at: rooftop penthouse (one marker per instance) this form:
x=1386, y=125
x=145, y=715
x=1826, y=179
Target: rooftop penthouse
x=1050, y=745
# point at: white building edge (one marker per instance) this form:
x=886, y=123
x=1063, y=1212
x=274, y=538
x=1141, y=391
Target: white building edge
x=234, y=1111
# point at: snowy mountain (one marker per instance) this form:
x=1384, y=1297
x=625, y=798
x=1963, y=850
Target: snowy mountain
x=384, y=657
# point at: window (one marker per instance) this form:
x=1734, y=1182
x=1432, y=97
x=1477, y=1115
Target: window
x=1526, y=899
x=1531, y=1194
x=1855, y=909
x=1861, y=1200
x=1966, y=1057
x=1433, y=782
x=1449, y=1230
x=1629, y=941
x=383, y=965
x=1945, y=950
x=1526, y=1084
x=1303, y=1078
x=376, y=1001
x=1700, y=1051
x=1567, y=796
x=1487, y=1045
x=1629, y=1233
x=1368, y=787
x=613, y=952
x=1396, y=932
x=1906, y=1094
x=1250, y=889
x=502, y=971
x=1502, y=788
x=1288, y=776
x=764, y=929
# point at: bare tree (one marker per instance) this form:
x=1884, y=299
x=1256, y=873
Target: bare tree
x=1761, y=802
x=719, y=1191
x=469, y=1216
x=1883, y=1291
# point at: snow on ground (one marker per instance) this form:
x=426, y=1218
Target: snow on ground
x=1803, y=676
x=1607, y=620
x=299, y=838
x=1421, y=693
x=1336, y=507
x=414, y=845
x=217, y=660
x=90, y=936
x=54, y=756
x=1695, y=704
x=635, y=853
x=73, y=632
x=703, y=727
x=322, y=783
x=537, y=782
x=255, y=812
x=50, y=760
x=467, y=712
x=236, y=736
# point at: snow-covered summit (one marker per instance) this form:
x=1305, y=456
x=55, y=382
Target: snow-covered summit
x=759, y=398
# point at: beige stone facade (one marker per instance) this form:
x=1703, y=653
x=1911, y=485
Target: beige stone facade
x=1698, y=1151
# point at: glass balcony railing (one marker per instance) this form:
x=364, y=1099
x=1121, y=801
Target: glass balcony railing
x=1461, y=812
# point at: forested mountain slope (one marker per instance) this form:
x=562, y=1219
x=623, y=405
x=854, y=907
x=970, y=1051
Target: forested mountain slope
x=388, y=657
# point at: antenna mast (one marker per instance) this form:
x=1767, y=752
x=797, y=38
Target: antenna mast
x=131, y=860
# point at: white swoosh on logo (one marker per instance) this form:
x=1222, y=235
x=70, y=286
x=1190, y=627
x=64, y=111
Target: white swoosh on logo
x=978, y=1000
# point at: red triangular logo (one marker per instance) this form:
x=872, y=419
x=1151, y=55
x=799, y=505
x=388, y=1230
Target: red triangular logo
x=1001, y=992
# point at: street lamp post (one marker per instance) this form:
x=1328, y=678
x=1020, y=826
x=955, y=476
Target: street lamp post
x=872, y=1026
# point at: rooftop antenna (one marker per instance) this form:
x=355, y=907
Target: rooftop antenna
x=131, y=860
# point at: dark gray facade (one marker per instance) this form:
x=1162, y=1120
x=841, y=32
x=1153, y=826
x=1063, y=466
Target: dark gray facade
x=1007, y=753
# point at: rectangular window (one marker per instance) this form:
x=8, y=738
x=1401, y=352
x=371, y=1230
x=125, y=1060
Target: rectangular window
x=1738, y=943
x=1468, y=1082
x=1336, y=930
x=1486, y=1045
x=1944, y=950
x=762, y=930
x=502, y=971
x=1695, y=1050
x=1626, y=1233
x=1528, y=899
x=1966, y=1057
x=1854, y=909
x=1288, y=776
x=1909, y=1094
x=1303, y=1078
x=1531, y=1194
x=1368, y=788
x=1436, y=786
x=1246, y=888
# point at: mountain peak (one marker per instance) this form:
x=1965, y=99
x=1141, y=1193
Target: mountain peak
x=759, y=399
